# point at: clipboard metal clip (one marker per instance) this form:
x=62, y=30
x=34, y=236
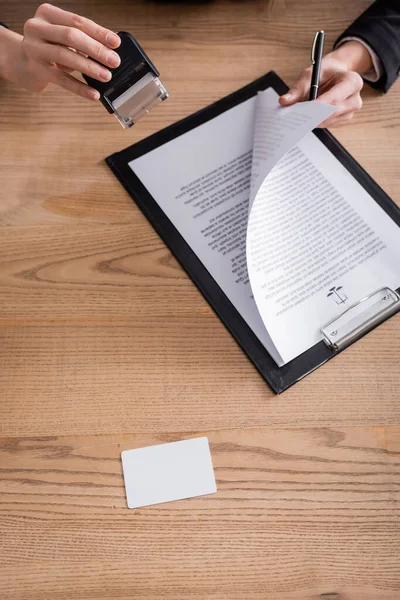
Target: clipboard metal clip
x=360, y=318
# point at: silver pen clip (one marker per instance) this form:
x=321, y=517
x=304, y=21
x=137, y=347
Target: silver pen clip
x=313, y=47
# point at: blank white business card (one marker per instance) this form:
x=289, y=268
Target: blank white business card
x=167, y=472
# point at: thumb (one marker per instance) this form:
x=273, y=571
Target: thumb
x=299, y=90
x=292, y=96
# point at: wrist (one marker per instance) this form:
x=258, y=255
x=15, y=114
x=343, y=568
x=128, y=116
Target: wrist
x=11, y=56
x=355, y=56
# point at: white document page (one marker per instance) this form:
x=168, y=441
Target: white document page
x=317, y=242
x=201, y=180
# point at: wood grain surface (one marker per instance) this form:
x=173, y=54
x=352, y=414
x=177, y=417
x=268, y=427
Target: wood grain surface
x=298, y=514
x=105, y=345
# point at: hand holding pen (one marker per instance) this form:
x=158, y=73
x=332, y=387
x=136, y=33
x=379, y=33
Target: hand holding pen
x=339, y=81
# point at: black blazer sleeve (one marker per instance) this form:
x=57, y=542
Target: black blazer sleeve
x=379, y=27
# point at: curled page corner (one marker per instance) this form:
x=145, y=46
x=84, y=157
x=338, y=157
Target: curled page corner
x=277, y=130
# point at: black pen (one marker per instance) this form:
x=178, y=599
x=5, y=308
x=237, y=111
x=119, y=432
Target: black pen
x=316, y=58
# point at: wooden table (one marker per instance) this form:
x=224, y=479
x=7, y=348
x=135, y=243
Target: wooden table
x=105, y=344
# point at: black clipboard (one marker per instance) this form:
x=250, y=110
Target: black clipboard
x=279, y=378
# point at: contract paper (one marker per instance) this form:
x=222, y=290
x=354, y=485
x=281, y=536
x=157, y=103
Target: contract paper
x=284, y=229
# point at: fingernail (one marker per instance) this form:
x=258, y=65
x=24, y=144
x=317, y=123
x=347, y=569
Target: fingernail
x=287, y=96
x=105, y=75
x=113, y=59
x=113, y=38
x=94, y=94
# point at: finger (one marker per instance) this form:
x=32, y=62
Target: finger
x=343, y=86
x=78, y=51
x=347, y=107
x=51, y=73
x=72, y=38
x=342, y=120
x=299, y=91
x=337, y=121
x=57, y=16
x=70, y=83
x=66, y=69
x=353, y=103
x=325, y=86
x=61, y=55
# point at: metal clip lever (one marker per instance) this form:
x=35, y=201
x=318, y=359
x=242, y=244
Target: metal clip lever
x=361, y=317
